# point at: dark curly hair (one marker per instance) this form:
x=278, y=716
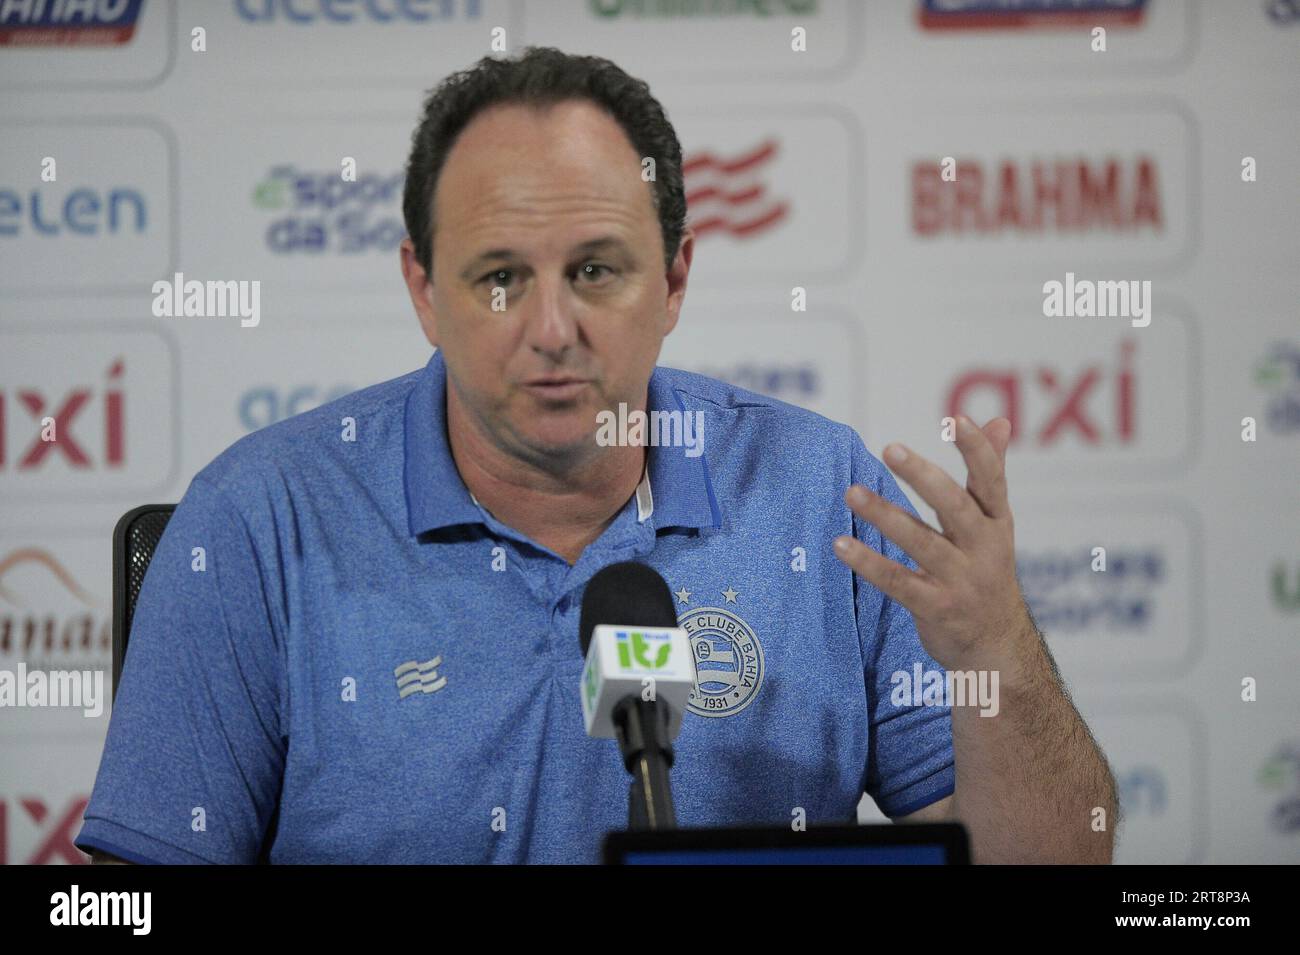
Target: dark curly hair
x=540, y=77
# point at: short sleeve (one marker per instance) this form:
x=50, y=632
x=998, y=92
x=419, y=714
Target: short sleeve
x=910, y=759
x=194, y=756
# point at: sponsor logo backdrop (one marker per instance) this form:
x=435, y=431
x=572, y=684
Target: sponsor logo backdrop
x=818, y=170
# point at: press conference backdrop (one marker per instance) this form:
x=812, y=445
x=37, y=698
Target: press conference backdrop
x=143, y=138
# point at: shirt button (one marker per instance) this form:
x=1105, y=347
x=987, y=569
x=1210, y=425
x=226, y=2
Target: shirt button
x=563, y=605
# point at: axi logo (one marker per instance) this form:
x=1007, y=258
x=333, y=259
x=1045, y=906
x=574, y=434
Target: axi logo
x=59, y=829
x=1056, y=404
x=724, y=196
x=637, y=645
x=52, y=431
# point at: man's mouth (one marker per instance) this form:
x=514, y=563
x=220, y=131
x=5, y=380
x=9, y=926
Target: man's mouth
x=556, y=387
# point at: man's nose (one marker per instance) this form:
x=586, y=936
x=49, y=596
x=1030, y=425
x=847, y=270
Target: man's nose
x=549, y=318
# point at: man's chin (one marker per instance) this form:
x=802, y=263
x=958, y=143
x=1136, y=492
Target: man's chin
x=559, y=430
x=568, y=439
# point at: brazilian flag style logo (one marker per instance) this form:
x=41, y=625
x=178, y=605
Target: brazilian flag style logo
x=589, y=684
x=635, y=646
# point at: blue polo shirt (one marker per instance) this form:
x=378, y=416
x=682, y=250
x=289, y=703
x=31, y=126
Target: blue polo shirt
x=338, y=655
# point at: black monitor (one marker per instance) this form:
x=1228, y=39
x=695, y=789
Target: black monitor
x=943, y=843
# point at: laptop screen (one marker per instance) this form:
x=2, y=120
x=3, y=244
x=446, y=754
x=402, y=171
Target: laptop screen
x=908, y=844
x=796, y=855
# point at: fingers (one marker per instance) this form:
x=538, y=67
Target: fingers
x=900, y=583
x=930, y=549
x=985, y=466
x=958, y=513
x=999, y=434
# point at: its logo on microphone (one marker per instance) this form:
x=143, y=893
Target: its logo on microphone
x=636, y=646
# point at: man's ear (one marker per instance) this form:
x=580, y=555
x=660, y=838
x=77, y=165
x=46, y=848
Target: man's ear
x=677, y=275
x=419, y=286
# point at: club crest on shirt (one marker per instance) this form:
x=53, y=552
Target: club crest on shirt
x=728, y=661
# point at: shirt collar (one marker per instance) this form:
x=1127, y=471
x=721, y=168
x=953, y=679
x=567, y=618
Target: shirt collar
x=436, y=497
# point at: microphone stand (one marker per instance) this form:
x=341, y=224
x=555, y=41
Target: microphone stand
x=648, y=755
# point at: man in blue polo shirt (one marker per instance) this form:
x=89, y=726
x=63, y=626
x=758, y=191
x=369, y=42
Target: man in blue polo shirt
x=267, y=680
x=358, y=637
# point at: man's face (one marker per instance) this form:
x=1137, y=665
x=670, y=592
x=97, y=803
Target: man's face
x=549, y=208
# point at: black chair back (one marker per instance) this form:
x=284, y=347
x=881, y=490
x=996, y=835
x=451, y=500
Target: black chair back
x=134, y=540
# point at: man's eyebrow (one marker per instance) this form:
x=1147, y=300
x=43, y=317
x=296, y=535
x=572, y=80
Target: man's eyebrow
x=603, y=243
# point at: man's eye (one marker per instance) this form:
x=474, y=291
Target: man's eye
x=587, y=271
x=495, y=277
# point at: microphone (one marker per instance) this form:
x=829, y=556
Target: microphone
x=638, y=677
